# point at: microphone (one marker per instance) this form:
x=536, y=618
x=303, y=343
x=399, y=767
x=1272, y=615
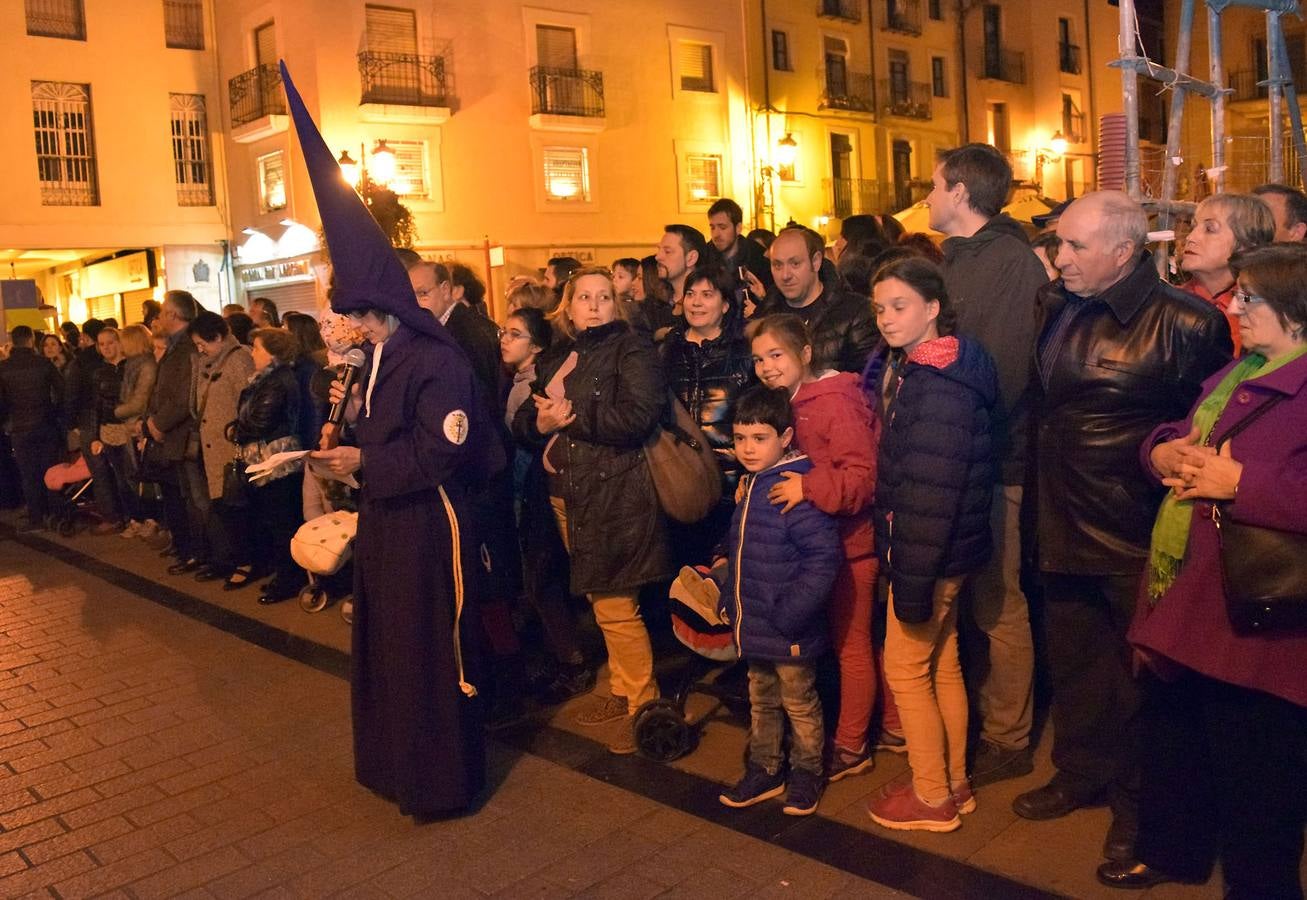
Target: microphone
x=355, y=360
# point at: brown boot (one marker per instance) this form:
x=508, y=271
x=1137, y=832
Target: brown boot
x=612, y=708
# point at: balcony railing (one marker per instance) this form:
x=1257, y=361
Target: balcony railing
x=909, y=99
x=255, y=94
x=1068, y=58
x=852, y=196
x=1073, y=127
x=848, y=10
x=848, y=91
x=566, y=92
x=1004, y=65
x=1245, y=86
x=903, y=16
x=402, y=79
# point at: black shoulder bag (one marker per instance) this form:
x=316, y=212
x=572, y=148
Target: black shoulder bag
x=1264, y=570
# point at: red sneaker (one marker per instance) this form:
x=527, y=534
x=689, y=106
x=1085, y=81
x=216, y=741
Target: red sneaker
x=963, y=798
x=903, y=810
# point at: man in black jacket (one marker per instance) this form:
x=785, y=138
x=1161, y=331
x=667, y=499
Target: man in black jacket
x=1119, y=353
x=730, y=249
x=169, y=423
x=992, y=277
x=841, y=325
x=80, y=413
x=31, y=392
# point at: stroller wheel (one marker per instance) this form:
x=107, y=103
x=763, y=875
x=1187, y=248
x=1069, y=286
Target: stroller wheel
x=347, y=612
x=67, y=527
x=661, y=732
x=313, y=598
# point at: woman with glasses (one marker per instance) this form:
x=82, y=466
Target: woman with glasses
x=1224, y=225
x=598, y=396
x=1224, y=722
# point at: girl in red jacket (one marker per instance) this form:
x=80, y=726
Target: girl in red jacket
x=835, y=428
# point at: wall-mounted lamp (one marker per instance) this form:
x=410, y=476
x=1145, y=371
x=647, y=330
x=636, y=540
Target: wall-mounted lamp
x=787, y=150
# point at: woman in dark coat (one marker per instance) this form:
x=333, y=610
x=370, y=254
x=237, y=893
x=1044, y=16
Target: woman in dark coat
x=1224, y=718
x=708, y=362
x=267, y=421
x=598, y=397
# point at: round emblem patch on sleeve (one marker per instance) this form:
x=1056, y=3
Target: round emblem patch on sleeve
x=456, y=427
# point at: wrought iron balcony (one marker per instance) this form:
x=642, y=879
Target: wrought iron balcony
x=848, y=10
x=1004, y=65
x=844, y=90
x=567, y=92
x=402, y=79
x=255, y=94
x=903, y=16
x=1068, y=58
x=852, y=196
x=909, y=99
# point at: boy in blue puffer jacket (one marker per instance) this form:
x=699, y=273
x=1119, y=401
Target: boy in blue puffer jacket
x=778, y=578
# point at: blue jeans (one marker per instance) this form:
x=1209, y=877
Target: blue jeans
x=778, y=690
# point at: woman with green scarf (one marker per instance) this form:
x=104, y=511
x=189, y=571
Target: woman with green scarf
x=1224, y=722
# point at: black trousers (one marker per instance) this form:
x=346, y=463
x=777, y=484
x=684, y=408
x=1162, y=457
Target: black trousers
x=34, y=452
x=1095, y=697
x=276, y=510
x=1224, y=775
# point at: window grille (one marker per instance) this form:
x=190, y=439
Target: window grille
x=56, y=19
x=65, y=146
x=567, y=174
x=190, y=150
x=703, y=177
x=183, y=24
x=410, y=168
x=272, y=181
x=695, y=64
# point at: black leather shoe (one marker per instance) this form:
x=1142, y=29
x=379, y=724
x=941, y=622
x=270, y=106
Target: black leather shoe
x=1052, y=801
x=1130, y=874
x=1120, y=843
x=181, y=568
x=211, y=573
x=268, y=597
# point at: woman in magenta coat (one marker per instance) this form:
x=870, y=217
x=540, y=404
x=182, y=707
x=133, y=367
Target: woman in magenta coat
x=1225, y=713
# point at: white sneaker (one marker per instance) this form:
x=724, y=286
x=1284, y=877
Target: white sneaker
x=132, y=530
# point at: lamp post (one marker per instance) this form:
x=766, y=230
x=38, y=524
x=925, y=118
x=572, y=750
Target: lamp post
x=1055, y=150
x=784, y=155
x=357, y=172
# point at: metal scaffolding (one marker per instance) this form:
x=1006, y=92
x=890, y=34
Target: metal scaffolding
x=1279, y=85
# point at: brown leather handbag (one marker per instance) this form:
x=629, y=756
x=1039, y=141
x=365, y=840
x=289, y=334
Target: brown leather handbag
x=684, y=468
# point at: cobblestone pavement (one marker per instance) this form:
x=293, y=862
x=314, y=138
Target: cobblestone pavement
x=149, y=751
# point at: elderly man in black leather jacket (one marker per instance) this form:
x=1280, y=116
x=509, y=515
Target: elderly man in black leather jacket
x=841, y=324
x=1119, y=352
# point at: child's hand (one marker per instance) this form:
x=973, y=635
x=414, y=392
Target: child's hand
x=788, y=493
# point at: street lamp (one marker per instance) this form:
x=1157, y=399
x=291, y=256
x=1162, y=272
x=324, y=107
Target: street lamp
x=1058, y=145
x=349, y=168
x=383, y=163
x=787, y=150
x=1056, y=149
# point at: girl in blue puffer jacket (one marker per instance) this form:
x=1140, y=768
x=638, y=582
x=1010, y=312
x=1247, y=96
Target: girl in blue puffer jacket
x=779, y=573
x=934, y=393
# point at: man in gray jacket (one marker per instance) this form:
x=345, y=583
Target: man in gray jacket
x=992, y=277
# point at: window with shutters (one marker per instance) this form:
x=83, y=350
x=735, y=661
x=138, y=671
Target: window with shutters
x=265, y=44
x=703, y=182
x=556, y=48
x=694, y=64
x=411, y=178
x=183, y=24
x=567, y=174
x=391, y=30
x=190, y=150
x=938, y=79
x=780, y=51
x=272, y=181
x=65, y=146
x=56, y=19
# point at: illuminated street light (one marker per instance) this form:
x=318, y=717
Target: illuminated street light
x=1058, y=144
x=382, y=170
x=349, y=168
x=787, y=150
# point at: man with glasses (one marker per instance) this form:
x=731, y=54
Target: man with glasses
x=1120, y=352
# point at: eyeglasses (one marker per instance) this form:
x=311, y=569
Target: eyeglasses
x=513, y=334
x=1243, y=298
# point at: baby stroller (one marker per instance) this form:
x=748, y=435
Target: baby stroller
x=70, y=481
x=662, y=732
x=322, y=547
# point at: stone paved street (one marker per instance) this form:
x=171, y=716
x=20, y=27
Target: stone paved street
x=144, y=753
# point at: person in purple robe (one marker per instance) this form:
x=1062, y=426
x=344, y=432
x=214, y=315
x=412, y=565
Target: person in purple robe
x=423, y=443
